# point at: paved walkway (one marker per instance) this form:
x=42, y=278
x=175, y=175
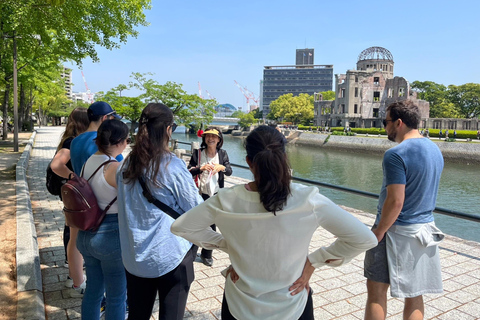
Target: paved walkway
x=339, y=292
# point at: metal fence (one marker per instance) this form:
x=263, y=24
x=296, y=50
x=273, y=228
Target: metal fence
x=440, y=210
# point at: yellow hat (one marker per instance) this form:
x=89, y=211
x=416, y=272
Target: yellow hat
x=212, y=131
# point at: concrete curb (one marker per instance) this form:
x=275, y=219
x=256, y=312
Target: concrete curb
x=30, y=303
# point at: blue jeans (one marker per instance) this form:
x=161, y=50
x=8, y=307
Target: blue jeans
x=105, y=272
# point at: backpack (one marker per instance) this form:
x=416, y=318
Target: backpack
x=80, y=204
x=53, y=181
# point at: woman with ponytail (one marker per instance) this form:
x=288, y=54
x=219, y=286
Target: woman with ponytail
x=266, y=229
x=101, y=248
x=155, y=260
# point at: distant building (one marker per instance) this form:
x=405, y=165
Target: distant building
x=67, y=78
x=225, y=110
x=81, y=96
x=362, y=95
x=304, y=57
x=303, y=77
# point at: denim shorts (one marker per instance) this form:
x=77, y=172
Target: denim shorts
x=376, y=264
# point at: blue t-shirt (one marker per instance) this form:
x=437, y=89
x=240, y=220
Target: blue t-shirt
x=82, y=147
x=416, y=163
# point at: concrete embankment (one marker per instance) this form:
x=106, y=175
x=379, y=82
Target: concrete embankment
x=467, y=152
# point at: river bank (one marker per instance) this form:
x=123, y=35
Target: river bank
x=464, y=152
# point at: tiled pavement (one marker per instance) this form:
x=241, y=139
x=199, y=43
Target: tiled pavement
x=339, y=292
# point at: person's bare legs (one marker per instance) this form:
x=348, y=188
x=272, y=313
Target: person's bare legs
x=414, y=308
x=376, y=308
x=75, y=259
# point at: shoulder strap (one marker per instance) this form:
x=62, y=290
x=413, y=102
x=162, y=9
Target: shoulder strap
x=108, y=161
x=159, y=204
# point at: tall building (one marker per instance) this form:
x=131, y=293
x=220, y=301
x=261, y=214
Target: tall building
x=303, y=77
x=362, y=95
x=67, y=78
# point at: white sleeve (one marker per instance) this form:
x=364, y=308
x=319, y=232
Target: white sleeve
x=353, y=237
x=194, y=225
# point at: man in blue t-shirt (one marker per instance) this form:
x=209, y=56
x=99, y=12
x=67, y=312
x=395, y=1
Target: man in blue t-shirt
x=83, y=146
x=411, y=175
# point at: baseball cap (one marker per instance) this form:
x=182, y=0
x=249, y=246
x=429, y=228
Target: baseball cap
x=101, y=108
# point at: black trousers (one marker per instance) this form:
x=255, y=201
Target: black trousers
x=172, y=290
x=208, y=253
x=306, y=315
x=66, y=238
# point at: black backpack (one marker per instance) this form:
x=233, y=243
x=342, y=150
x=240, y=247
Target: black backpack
x=54, y=182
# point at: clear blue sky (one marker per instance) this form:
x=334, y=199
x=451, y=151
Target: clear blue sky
x=217, y=42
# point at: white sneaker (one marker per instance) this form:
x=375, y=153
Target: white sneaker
x=78, y=292
x=69, y=282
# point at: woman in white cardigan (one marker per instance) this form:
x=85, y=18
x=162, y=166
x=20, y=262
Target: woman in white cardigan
x=266, y=228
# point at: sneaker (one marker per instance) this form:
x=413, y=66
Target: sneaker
x=65, y=265
x=69, y=282
x=78, y=292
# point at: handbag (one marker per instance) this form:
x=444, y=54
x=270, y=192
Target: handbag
x=159, y=204
x=80, y=204
x=54, y=182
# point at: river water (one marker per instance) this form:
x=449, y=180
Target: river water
x=459, y=185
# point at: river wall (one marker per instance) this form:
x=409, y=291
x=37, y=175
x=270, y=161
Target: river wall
x=465, y=152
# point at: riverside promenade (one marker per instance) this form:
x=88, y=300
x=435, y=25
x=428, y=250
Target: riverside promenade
x=339, y=293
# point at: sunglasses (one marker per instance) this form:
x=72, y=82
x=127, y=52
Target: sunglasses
x=174, y=127
x=385, y=121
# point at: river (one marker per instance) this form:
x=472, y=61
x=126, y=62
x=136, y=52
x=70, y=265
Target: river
x=459, y=185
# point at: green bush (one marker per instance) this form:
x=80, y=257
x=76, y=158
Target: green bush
x=374, y=131
x=338, y=133
x=461, y=134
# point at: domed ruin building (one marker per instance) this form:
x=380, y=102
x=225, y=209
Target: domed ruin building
x=362, y=95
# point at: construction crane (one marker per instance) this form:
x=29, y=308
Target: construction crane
x=200, y=90
x=247, y=94
x=210, y=96
x=89, y=93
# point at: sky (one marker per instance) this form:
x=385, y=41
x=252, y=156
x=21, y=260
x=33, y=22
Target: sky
x=216, y=42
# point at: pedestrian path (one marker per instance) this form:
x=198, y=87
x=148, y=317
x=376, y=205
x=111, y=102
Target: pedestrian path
x=339, y=293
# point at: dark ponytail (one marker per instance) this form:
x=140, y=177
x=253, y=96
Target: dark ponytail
x=266, y=150
x=109, y=133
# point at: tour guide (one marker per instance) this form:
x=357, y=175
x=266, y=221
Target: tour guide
x=406, y=257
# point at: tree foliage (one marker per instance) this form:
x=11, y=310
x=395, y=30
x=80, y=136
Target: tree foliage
x=49, y=32
x=292, y=108
x=450, y=102
x=246, y=120
x=328, y=95
x=466, y=99
x=187, y=108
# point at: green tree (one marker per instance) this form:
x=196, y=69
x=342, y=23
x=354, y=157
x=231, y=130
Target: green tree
x=237, y=114
x=437, y=95
x=466, y=99
x=294, y=109
x=187, y=108
x=246, y=120
x=328, y=95
x=257, y=113
x=59, y=30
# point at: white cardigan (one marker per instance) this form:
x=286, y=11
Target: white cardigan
x=269, y=252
